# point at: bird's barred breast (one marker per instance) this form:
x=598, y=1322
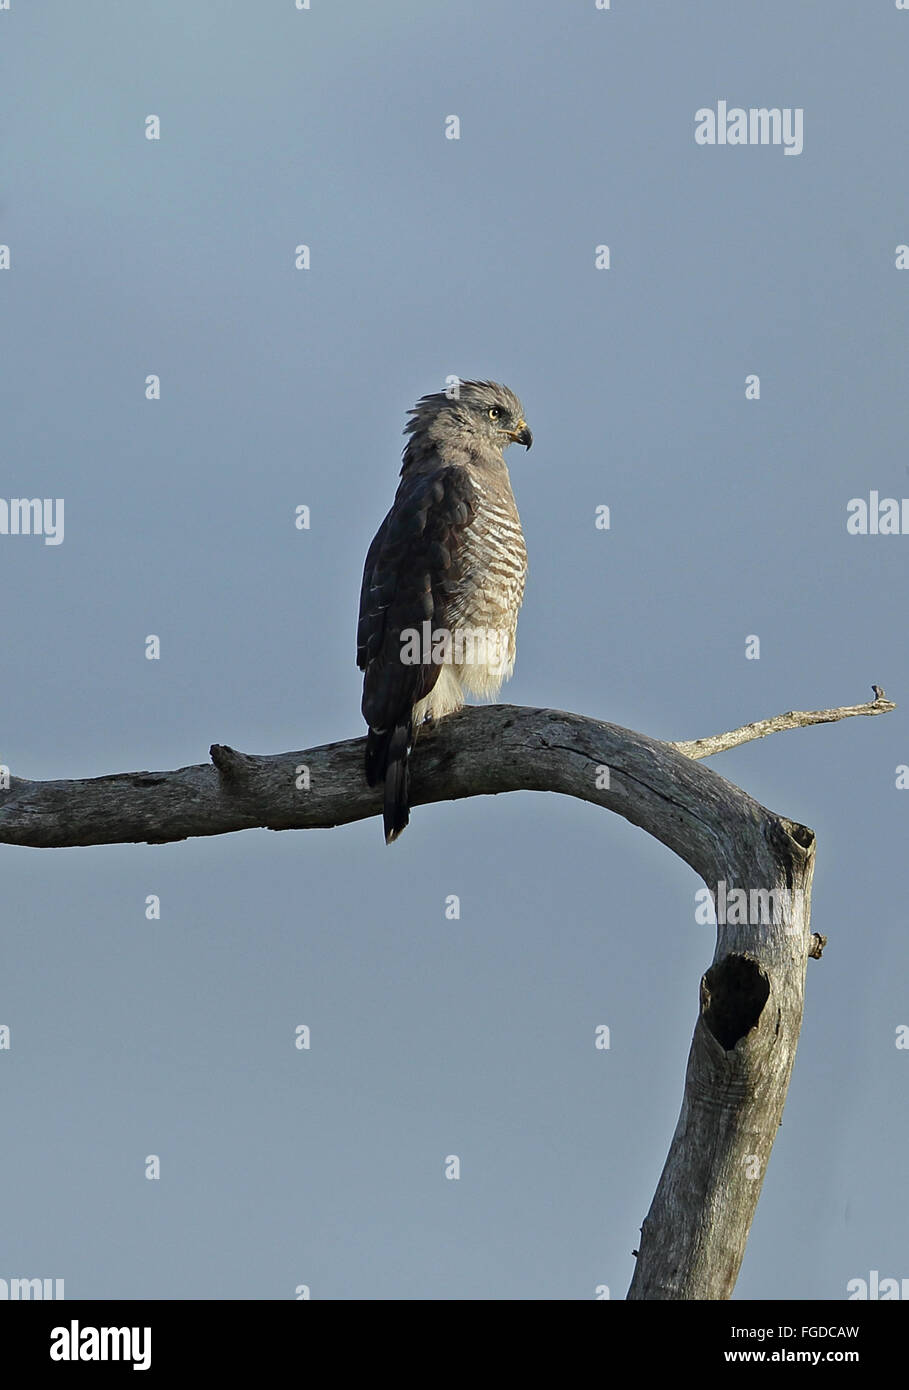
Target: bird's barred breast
x=483, y=611
x=495, y=572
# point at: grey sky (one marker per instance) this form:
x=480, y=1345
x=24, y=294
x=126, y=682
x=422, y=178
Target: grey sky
x=282, y=387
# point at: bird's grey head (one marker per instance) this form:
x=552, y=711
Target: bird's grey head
x=471, y=414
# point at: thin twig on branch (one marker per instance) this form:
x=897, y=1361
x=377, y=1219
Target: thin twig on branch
x=795, y=719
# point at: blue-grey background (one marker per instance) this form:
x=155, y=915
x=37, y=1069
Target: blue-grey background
x=282, y=387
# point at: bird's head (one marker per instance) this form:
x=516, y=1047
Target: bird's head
x=478, y=412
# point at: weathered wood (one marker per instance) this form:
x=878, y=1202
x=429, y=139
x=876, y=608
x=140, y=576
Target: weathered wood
x=795, y=719
x=693, y=1238
x=752, y=996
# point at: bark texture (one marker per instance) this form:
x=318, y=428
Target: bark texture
x=751, y=997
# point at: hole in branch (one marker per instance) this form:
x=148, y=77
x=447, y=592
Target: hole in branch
x=733, y=993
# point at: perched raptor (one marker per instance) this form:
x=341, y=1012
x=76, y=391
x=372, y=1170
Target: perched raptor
x=443, y=580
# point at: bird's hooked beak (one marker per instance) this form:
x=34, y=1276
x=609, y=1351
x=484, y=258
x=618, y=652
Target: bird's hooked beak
x=521, y=434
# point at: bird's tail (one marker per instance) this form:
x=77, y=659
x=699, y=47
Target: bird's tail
x=387, y=758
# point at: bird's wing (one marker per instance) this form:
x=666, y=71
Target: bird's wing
x=413, y=572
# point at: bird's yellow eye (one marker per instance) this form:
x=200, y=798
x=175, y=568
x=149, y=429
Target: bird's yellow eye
x=494, y=412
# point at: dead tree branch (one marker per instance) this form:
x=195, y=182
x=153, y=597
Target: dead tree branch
x=751, y=1000
x=795, y=719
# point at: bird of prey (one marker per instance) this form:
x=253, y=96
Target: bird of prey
x=443, y=580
